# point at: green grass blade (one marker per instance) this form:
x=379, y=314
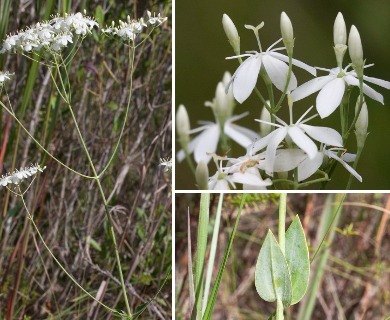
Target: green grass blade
x=190, y=266
x=201, y=253
x=329, y=220
x=214, y=292
x=213, y=249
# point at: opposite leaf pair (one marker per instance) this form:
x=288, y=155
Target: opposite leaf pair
x=283, y=277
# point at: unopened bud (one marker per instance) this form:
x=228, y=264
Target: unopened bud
x=231, y=33
x=183, y=126
x=361, y=124
x=202, y=175
x=287, y=32
x=339, y=30
x=356, y=51
x=265, y=128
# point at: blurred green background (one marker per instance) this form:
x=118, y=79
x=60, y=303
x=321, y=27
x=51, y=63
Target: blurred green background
x=201, y=48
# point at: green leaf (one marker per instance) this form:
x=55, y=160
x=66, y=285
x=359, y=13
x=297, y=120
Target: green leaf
x=99, y=15
x=297, y=256
x=272, y=277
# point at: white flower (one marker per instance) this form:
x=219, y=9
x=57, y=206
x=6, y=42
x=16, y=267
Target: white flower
x=245, y=78
x=333, y=86
x=5, y=76
x=247, y=175
x=18, y=175
x=300, y=134
x=309, y=166
x=166, y=163
x=155, y=20
x=205, y=144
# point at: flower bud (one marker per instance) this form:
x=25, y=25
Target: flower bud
x=183, y=126
x=339, y=30
x=265, y=129
x=356, y=50
x=202, y=175
x=231, y=33
x=287, y=32
x=361, y=124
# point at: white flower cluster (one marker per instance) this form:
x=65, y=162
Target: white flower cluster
x=287, y=153
x=54, y=34
x=18, y=175
x=5, y=76
x=131, y=28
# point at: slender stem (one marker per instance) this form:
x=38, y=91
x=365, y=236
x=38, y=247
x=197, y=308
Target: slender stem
x=108, y=215
x=358, y=154
x=282, y=222
x=279, y=310
x=131, y=56
x=30, y=217
x=42, y=147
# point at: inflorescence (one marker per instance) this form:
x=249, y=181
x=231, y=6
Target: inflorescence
x=18, y=175
x=131, y=28
x=54, y=34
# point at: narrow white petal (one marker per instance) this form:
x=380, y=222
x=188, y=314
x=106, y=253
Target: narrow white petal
x=277, y=137
x=379, y=82
x=295, y=62
x=245, y=78
x=345, y=165
x=366, y=89
x=330, y=97
x=372, y=93
x=241, y=135
x=250, y=179
x=309, y=166
x=207, y=142
x=348, y=157
x=277, y=72
x=310, y=87
x=259, y=144
x=288, y=159
x=303, y=141
x=325, y=135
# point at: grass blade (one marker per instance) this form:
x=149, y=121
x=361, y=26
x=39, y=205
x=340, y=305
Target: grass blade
x=214, y=292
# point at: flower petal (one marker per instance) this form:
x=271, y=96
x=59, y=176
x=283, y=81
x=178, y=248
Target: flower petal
x=310, y=87
x=351, y=170
x=366, y=89
x=309, y=166
x=250, y=178
x=288, y=159
x=206, y=142
x=330, y=97
x=277, y=137
x=348, y=157
x=277, y=72
x=303, y=141
x=259, y=144
x=241, y=135
x=295, y=62
x=325, y=135
x=379, y=82
x=245, y=78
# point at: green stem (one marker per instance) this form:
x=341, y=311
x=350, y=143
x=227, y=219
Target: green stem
x=107, y=211
x=282, y=221
x=39, y=145
x=131, y=56
x=279, y=310
x=30, y=217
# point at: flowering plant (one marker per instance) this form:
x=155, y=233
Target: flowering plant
x=54, y=44
x=284, y=154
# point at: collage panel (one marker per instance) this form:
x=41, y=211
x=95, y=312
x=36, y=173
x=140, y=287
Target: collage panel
x=282, y=256
x=85, y=160
x=282, y=96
